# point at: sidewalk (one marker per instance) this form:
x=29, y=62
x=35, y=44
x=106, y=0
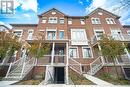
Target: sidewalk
x=6, y=83
x=63, y=85
x=97, y=80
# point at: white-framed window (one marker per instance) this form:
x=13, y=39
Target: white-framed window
x=116, y=34
x=95, y=21
x=87, y=52
x=51, y=34
x=99, y=33
x=73, y=52
x=128, y=32
x=52, y=20
x=61, y=34
x=30, y=34
x=82, y=21
x=44, y=19
x=110, y=21
x=69, y=20
x=18, y=33
x=61, y=20
x=78, y=37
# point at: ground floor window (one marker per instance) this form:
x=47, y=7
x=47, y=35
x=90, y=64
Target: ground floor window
x=73, y=53
x=86, y=52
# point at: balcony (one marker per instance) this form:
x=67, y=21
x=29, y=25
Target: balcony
x=47, y=60
x=57, y=38
x=55, y=56
x=122, y=60
x=122, y=37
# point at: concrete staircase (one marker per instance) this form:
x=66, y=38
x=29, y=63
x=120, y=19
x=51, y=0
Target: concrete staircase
x=19, y=69
x=95, y=66
x=49, y=75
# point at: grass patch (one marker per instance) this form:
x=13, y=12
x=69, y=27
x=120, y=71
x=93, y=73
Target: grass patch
x=113, y=79
x=29, y=82
x=78, y=79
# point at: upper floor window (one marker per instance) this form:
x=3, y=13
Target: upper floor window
x=95, y=21
x=69, y=21
x=78, y=37
x=82, y=21
x=99, y=34
x=18, y=33
x=116, y=34
x=110, y=21
x=128, y=32
x=52, y=20
x=44, y=19
x=61, y=20
x=30, y=34
x=51, y=34
x=61, y=34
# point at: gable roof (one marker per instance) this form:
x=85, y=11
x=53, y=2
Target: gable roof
x=110, y=13
x=53, y=9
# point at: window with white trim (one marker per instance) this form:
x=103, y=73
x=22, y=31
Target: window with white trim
x=52, y=20
x=69, y=20
x=82, y=21
x=128, y=32
x=99, y=34
x=78, y=37
x=44, y=19
x=51, y=34
x=73, y=53
x=110, y=21
x=86, y=52
x=95, y=21
x=61, y=34
x=116, y=34
x=30, y=34
x=18, y=33
x=61, y=20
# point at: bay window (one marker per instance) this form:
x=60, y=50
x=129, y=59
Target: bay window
x=78, y=37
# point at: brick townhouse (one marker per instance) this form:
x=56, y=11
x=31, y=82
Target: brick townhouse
x=73, y=44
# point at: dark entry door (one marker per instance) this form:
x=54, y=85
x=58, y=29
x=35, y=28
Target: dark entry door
x=59, y=75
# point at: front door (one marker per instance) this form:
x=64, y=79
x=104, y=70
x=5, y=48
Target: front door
x=59, y=75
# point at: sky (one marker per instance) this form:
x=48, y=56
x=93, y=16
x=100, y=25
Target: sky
x=26, y=11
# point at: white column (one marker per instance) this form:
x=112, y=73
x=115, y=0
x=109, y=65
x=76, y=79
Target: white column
x=53, y=53
x=67, y=64
x=101, y=55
